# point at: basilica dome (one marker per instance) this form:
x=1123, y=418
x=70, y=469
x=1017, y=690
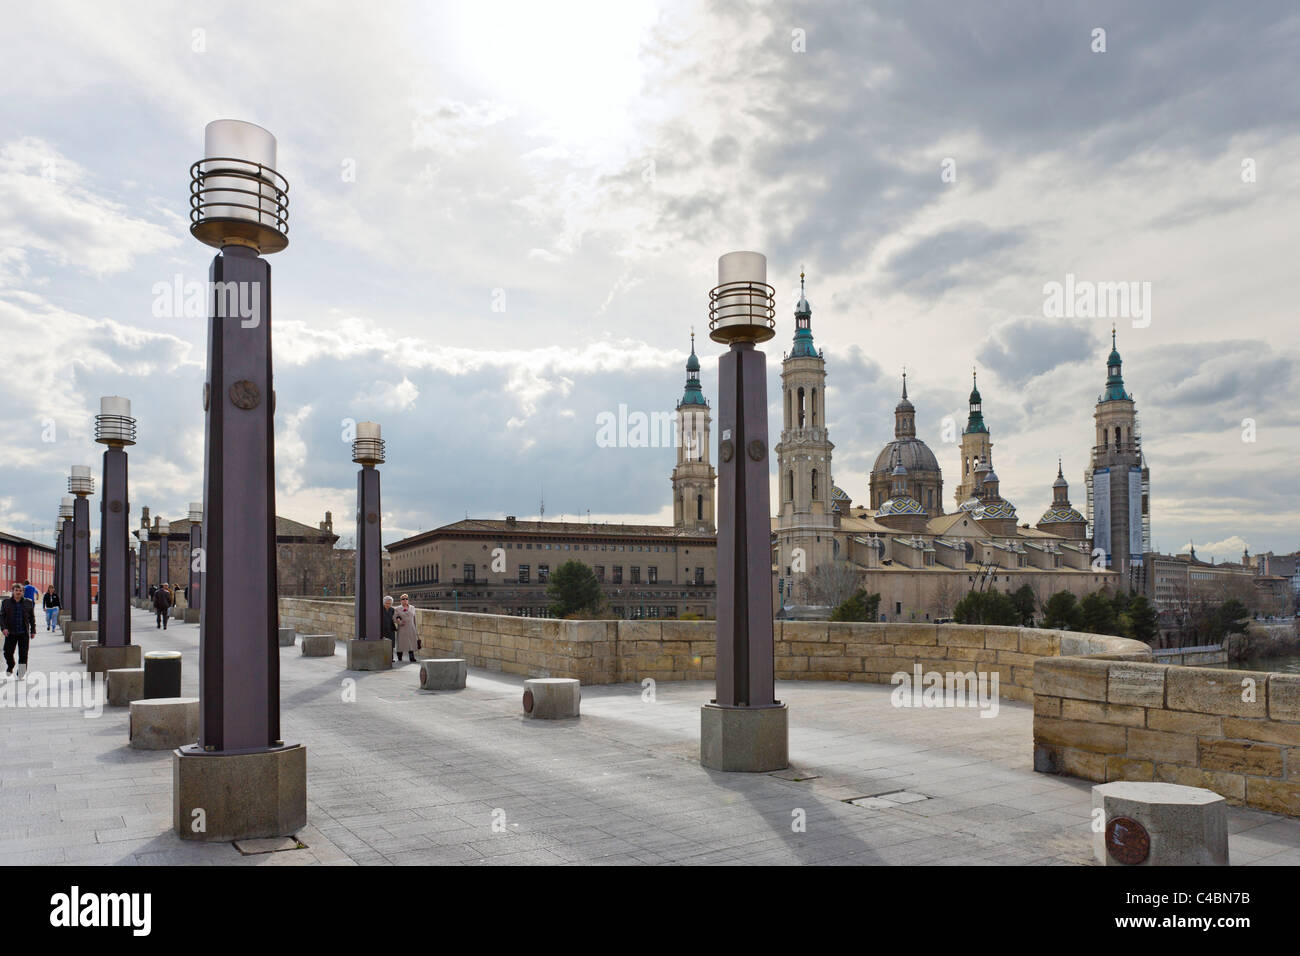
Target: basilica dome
x=914, y=454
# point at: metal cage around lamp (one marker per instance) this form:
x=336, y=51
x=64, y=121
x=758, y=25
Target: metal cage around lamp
x=80, y=481
x=236, y=196
x=368, y=447
x=114, y=425
x=742, y=307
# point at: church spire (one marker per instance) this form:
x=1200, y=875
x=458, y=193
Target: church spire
x=694, y=394
x=904, y=415
x=1114, y=378
x=975, y=420
x=803, y=339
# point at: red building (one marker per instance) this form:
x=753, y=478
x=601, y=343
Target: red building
x=24, y=560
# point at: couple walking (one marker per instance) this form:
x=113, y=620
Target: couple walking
x=398, y=625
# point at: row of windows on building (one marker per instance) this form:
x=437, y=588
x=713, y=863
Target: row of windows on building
x=621, y=612
x=430, y=572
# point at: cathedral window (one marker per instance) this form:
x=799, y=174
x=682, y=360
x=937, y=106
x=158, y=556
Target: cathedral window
x=814, y=408
x=801, y=408
x=699, y=507
x=789, y=495
x=814, y=484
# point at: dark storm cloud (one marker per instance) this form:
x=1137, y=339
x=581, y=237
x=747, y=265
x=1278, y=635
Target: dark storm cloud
x=853, y=122
x=1022, y=348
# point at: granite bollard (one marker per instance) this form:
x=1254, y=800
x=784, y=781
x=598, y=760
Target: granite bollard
x=287, y=636
x=552, y=698
x=370, y=655
x=1160, y=824
x=318, y=645
x=100, y=658
x=442, y=673
x=164, y=723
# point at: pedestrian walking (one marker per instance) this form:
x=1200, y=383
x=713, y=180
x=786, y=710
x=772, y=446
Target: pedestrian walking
x=18, y=623
x=162, y=602
x=52, y=605
x=30, y=592
x=408, y=638
x=386, y=626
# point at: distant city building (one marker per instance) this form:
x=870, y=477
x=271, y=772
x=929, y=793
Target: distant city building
x=307, y=561
x=501, y=566
x=22, y=559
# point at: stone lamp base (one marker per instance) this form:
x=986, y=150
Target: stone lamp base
x=217, y=798
x=745, y=739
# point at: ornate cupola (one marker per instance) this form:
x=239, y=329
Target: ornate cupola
x=975, y=421
x=1062, y=518
x=694, y=394
x=1114, y=378
x=901, y=510
x=803, y=338
x=904, y=415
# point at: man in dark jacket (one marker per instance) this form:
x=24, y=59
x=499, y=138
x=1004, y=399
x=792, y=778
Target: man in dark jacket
x=162, y=602
x=18, y=623
x=387, y=629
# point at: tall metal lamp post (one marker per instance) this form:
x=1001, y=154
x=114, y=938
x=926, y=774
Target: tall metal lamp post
x=115, y=428
x=368, y=651
x=194, y=594
x=164, y=555
x=82, y=486
x=744, y=728
x=239, y=205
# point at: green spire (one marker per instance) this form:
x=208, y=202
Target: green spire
x=1114, y=378
x=803, y=339
x=975, y=422
x=694, y=395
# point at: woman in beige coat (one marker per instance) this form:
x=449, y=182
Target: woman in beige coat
x=404, y=624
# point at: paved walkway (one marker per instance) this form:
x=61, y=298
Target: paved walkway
x=400, y=776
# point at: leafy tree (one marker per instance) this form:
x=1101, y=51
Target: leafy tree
x=860, y=607
x=1026, y=604
x=1062, y=611
x=573, y=589
x=987, y=607
x=1097, y=614
x=1144, y=620
x=1230, y=617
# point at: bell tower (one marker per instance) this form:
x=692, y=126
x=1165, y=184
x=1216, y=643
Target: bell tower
x=976, y=445
x=805, y=520
x=1116, y=476
x=693, y=479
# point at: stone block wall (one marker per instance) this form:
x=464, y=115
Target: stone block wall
x=605, y=652
x=1234, y=732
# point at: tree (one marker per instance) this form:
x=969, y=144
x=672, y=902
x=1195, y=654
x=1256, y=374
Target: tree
x=986, y=607
x=860, y=607
x=1062, y=611
x=573, y=589
x=1230, y=617
x=831, y=584
x=1097, y=614
x=1144, y=620
x=1026, y=604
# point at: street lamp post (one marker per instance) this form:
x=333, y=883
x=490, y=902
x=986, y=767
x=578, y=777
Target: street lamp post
x=239, y=205
x=82, y=486
x=114, y=428
x=744, y=728
x=65, y=565
x=194, y=594
x=164, y=557
x=368, y=650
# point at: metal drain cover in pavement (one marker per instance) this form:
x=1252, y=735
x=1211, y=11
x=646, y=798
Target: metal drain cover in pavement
x=883, y=801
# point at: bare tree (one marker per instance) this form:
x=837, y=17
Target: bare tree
x=830, y=584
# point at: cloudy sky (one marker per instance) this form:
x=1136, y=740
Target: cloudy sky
x=506, y=217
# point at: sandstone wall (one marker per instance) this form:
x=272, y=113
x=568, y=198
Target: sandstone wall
x=1234, y=732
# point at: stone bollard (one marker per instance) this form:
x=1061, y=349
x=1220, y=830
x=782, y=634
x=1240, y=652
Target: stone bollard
x=78, y=638
x=318, y=645
x=287, y=635
x=123, y=685
x=1160, y=824
x=445, y=673
x=552, y=698
x=100, y=659
x=192, y=615
x=370, y=655
x=164, y=723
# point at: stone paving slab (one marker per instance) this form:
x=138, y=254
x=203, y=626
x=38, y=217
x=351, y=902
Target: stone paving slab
x=397, y=776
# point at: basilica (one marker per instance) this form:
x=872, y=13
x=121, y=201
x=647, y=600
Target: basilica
x=902, y=543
